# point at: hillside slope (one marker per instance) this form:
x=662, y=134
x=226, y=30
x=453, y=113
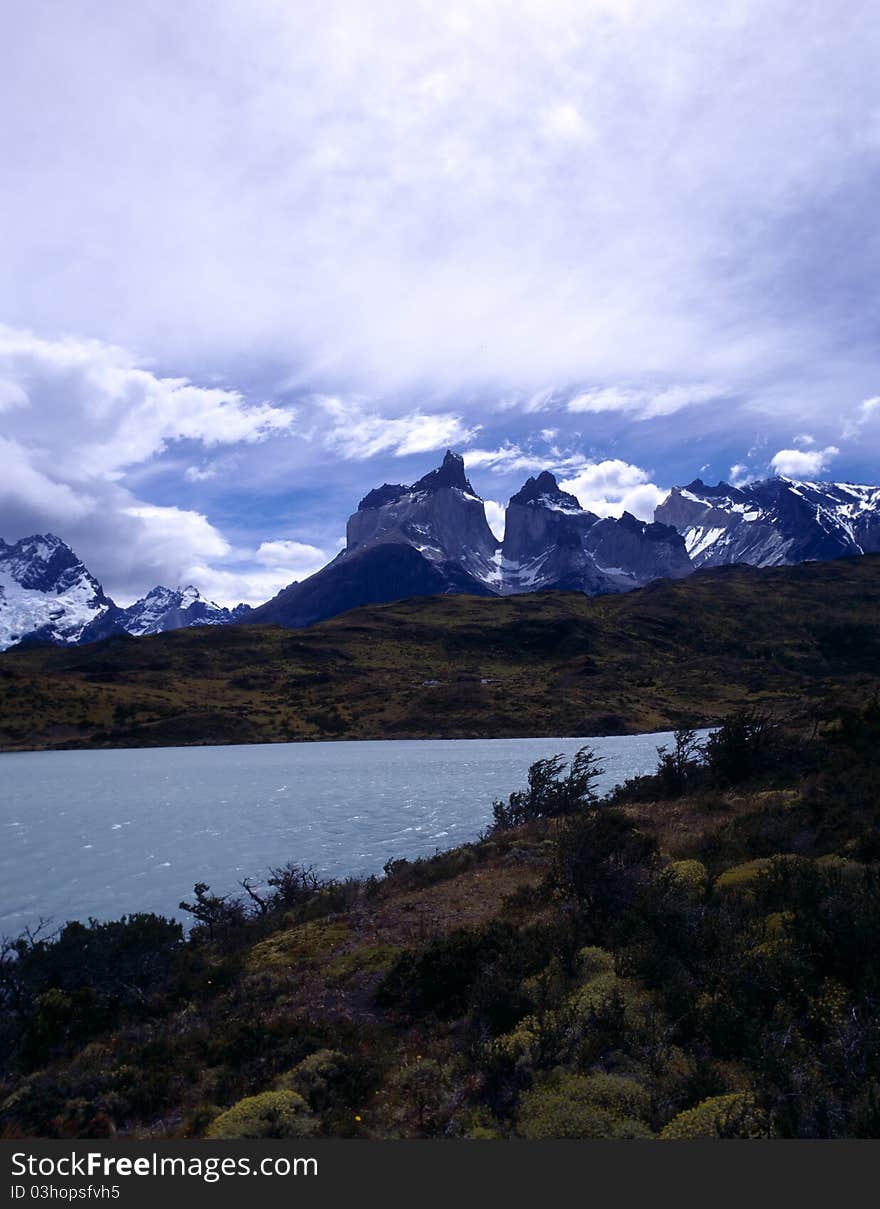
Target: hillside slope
x=685, y=651
x=694, y=957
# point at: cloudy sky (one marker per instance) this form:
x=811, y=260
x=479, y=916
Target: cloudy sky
x=260, y=257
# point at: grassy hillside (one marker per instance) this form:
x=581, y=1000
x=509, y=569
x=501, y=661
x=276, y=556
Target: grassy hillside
x=687, y=652
x=696, y=957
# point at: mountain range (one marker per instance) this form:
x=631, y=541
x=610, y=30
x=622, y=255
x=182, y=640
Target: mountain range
x=432, y=538
x=48, y=595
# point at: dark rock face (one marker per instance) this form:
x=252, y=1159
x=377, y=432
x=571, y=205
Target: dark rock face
x=425, y=540
x=441, y=516
x=551, y=542
x=773, y=522
x=433, y=538
x=374, y=574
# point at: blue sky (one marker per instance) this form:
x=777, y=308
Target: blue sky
x=261, y=257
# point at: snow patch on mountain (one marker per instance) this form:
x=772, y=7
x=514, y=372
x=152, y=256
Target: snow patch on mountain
x=174, y=609
x=773, y=522
x=46, y=593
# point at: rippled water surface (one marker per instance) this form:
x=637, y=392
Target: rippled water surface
x=102, y=833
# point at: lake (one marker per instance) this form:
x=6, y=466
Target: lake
x=105, y=833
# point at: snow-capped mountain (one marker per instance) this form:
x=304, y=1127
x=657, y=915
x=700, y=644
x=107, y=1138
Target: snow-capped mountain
x=775, y=521
x=46, y=593
x=433, y=538
x=550, y=541
x=174, y=609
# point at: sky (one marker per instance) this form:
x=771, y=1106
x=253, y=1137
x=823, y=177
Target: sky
x=258, y=258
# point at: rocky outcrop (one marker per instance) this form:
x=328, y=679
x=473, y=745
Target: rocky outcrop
x=550, y=541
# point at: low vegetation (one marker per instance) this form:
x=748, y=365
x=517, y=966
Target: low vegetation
x=677, y=653
x=692, y=956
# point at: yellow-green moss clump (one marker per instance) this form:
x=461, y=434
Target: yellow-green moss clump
x=690, y=876
x=584, y=1106
x=272, y=1114
x=735, y=1115
x=305, y=946
x=742, y=878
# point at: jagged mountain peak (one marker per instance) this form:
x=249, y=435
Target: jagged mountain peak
x=551, y=541
x=546, y=490
x=450, y=473
x=425, y=539
x=172, y=609
x=46, y=593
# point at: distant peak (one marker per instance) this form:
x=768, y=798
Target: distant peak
x=698, y=487
x=544, y=486
x=450, y=473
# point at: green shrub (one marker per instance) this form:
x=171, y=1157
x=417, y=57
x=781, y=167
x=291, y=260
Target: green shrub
x=690, y=876
x=735, y=1115
x=592, y=961
x=271, y=1114
x=584, y=1106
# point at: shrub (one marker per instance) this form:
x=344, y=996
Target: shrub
x=741, y=748
x=584, y=1106
x=592, y=961
x=329, y=1080
x=735, y=1115
x=692, y=877
x=602, y=861
x=271, y=1114
x=421, y=1096
x=678, y=770
x=550, y=793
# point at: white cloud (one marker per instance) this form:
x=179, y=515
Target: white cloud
x=296, y=558
x=507, y=458
x=804, y=440
x=866, y=410
x=358, y=434
x=642, y=404
x=799, y=463
x=23, y=486
x=168, y=525
x=739, y=474
x=495, y=515
x=612, y=487
x=102, y=413
x=200, y=474
x=232, y=587
x=12, y=395
x=511, y=458
x=84, y=414
x=469, y=192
